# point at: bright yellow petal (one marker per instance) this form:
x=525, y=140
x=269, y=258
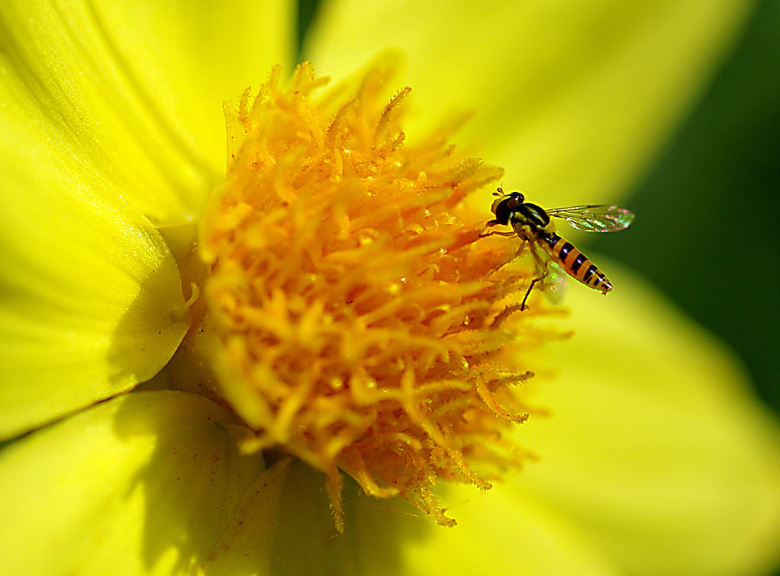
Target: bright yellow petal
x=390, y=537
x=496, y=534
x=656, y=448
x=144, y=484
x=90, y=298
x=134, y=91
x=192, y=56
x=571, y=97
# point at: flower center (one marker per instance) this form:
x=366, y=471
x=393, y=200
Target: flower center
x=353, y=315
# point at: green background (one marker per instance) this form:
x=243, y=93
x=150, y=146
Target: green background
x=707, y=231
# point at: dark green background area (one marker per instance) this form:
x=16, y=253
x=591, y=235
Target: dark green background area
x=707, y=231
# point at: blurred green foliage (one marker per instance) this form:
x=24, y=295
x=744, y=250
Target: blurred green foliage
x=707, y=231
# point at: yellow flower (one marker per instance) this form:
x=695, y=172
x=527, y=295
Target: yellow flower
x=353, y=314
x=114, y=142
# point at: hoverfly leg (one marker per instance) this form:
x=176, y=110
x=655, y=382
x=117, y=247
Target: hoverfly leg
x=495, y=233
x=531, y=287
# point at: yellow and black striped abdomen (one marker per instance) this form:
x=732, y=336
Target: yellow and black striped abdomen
x=574, y=262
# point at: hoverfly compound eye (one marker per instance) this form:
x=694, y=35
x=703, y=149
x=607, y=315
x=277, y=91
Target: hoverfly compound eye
x=511, y=201
x=503, y=208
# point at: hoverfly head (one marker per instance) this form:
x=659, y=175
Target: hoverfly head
x=506, y=204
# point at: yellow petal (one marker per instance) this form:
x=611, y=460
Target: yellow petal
x=193, y=56
x=496, y=534
x=572, y=98
x=656, y=447
x=245, y=545
x=134, y=91
x=144, y=484
x=90, y=298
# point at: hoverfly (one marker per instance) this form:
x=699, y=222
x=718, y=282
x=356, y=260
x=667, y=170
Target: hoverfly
x=532, y=224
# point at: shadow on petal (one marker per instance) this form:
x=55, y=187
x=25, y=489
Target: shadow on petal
x=375, y=534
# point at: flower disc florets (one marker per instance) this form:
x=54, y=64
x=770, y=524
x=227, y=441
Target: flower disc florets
x=353, y=315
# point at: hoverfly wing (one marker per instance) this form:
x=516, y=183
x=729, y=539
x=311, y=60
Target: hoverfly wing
x=554, y=284
x=595, y=217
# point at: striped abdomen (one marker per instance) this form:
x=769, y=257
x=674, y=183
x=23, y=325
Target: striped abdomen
x=574, y=262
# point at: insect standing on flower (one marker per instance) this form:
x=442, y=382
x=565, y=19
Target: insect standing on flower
x=532, y=223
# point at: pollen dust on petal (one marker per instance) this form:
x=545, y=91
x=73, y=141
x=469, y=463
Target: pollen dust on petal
x=355, y=317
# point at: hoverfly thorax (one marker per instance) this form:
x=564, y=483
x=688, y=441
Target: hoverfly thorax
x=533, y=216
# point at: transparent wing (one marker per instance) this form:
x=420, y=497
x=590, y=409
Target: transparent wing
x=554, y=284
x=595, y=217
